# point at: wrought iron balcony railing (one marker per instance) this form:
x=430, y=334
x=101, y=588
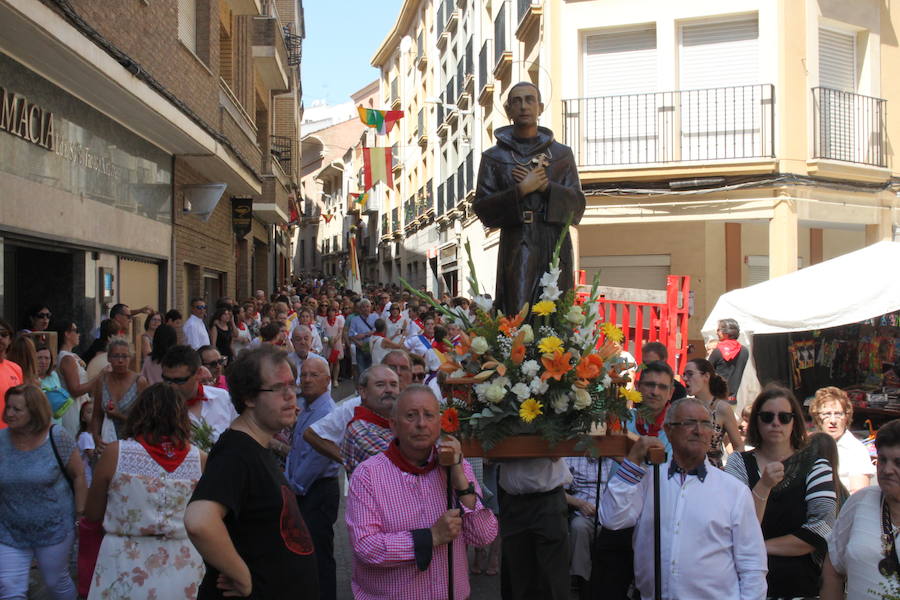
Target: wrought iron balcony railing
x=848, y=127
x=727, y=123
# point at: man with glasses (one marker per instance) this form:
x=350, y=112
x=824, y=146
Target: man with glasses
x=700, y=507
x=214, y=363
x=613, y=556
x=206, y=404
x=243, y=517
x=313, y=476
x=195, y=332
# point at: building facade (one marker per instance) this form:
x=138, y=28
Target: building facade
x=127, y=135
x=731, y=143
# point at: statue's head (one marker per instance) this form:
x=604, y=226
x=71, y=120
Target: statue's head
x=523, y=104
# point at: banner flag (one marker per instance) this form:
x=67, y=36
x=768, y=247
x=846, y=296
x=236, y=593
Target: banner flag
x=377, y=163
x=382, y=120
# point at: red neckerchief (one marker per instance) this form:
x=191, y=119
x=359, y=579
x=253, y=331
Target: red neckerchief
x=241, y=326
x=362, y=413
x=200, y=397
x=166, y=454
x=420, y=324
x=378, y=334
x=395, y=319
x=654, y=428
x=729, y=348
x=332, y=321
x=401, y=462
x=441, y=347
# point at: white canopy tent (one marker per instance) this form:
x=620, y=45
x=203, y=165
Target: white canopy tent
x=847, y=289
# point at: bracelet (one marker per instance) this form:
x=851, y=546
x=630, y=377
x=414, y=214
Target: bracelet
x=763, y=498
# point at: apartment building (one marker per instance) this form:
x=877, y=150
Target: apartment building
x=155, y=118
x=732, y=142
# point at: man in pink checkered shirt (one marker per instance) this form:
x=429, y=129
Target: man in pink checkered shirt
x=400, y=527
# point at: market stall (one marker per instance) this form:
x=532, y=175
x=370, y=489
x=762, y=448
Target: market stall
x=834, y=323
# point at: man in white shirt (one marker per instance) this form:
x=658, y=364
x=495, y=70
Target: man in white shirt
x=195, y=332
x=701, y=507
x=207, y=405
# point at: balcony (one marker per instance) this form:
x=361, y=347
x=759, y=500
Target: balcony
x=294, y=45
x=421, y=57
x=529, y=12
x=452, y=19
x=502, y=54
x=282, y=152
x=270, y=53
x=245, y=7
x=849, y=127
x=485, y=80
x=395, y=94
x=717, y=124
x=422, y=130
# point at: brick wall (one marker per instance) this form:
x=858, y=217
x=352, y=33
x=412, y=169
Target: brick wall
x=200, y=244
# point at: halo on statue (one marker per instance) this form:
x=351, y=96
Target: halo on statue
x=526, y=70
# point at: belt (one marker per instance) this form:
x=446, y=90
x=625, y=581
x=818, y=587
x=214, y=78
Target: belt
x=530, y=216
x=555, y=490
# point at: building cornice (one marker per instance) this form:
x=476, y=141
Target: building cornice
x=403, y=22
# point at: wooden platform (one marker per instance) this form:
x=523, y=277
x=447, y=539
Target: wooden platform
x=534, y=446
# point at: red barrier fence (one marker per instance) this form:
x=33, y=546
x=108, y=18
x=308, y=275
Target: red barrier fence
x=643, y=322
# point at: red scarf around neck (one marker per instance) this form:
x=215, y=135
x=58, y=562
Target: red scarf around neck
x=654, y=428
x=395, y=319
x=167, y=454
x=729, y=348
x=402, y=463
x=200, y=397
x=332, y=321
x=362, y=413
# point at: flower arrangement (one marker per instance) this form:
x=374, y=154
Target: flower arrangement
x=552, y=370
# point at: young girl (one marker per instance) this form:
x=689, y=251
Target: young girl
x=86, y=441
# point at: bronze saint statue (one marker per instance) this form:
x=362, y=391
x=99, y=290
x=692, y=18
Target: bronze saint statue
x=528, y=186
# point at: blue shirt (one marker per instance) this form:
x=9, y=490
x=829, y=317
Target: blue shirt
x=358, y=325
x=304, y=464
x=36, y=504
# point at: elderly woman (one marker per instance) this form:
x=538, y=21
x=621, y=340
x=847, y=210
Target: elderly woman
x=141, y=487
x=793, y=491
x=42, y=479
x=114, y=394
x=832, y=413
x=862, y=551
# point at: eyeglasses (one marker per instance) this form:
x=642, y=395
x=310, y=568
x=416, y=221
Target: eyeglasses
x=833, y=415
x=691, y=423
x=119, y=357
x=418, y=376
x=690, y=373
x=43, y=315
x=177, y=380
x=783, y=417
x=215, y=363
x=651, y=385
x=280, y=388
x=199, y=307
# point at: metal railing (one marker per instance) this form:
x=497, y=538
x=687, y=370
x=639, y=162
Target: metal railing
x=483, y=67
x=395, y=219
x=429, y=195
x=440, y=200
x=294, y=45
x=470, y=171
x=500, y=33
x=281, y=150
x=384, y=224
x=450, y=191
x=725, y=123
x=461, y=182
x=848, y=127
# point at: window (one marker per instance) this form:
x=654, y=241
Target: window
x=187, y=23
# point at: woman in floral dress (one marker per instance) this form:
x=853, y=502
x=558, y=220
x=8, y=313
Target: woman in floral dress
x=141, y=487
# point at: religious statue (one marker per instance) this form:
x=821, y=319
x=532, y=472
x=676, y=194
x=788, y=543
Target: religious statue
x=528, y=186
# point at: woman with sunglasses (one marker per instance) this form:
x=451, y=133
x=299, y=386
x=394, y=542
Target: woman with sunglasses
x=703, y=383
x=793, y=491
x=37, y=318
x=862, y=551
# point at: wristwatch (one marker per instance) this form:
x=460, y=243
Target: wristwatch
x=465, y=492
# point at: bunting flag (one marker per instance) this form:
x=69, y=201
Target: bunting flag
x=295, y=213
x=381, y=120
x=378, y=167
x=360, y=199
x=328, y=217
x=354, y=282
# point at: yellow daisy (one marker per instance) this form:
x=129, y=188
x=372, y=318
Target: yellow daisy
x=530, y=410
x=550, y=344
x=612, y=332
x=632, y=396
x=544, y=308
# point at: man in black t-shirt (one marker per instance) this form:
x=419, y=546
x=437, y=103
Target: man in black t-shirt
x=243, y=517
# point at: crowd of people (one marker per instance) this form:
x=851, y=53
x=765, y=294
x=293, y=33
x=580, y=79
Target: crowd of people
x=203, y=458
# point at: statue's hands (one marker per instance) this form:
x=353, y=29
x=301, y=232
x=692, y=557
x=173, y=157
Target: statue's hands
x=536, y=179
x=519, y=173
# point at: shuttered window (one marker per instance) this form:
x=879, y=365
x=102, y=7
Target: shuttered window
x=837, y=60
x=187, y=23
x=722, y=106
x=620, y=116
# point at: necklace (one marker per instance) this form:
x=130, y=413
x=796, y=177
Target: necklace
x=542, y=159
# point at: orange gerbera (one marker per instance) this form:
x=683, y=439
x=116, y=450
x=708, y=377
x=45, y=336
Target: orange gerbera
x=517, y=351
x=556, y=366
x=462, y=344
x=587, y=368
x=450, y=420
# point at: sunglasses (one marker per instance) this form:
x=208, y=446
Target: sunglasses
x=419, y=376
x=176, y=380
x=43, y=315
x=215, y=363
x=783, y=417
x=199, y=307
